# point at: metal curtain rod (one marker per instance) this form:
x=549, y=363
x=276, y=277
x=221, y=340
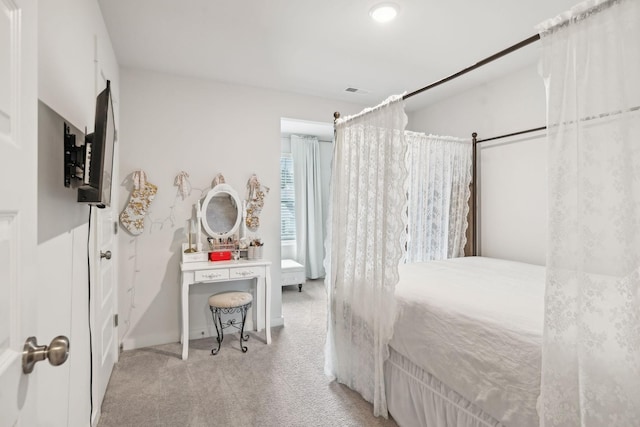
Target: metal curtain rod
x=485, y=61
x=479, y=64
x=584, y=119
x=478, y=141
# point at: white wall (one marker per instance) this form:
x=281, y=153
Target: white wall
x=512, y=172
x=170, y=124
x=68, y=33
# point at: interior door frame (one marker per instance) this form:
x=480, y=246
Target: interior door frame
x=18, y=209
x=103, y=223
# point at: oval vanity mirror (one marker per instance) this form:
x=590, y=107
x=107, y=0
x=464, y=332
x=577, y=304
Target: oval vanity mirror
x=221, y=211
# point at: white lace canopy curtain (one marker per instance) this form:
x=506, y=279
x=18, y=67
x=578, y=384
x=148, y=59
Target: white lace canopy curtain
x=439, y=178
x=307, y=180
x=591, y=342
x=364, y=246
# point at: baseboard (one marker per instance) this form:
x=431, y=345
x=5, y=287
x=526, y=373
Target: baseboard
x=148, y=341
x=159, y=339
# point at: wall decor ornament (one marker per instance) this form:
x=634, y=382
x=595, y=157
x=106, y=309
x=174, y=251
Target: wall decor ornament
x=256, y=193
x=184, y=186
x=132, y=217
x=219, y=179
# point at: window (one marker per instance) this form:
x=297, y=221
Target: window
x=287, y=199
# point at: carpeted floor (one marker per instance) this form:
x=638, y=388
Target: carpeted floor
x=278, y=385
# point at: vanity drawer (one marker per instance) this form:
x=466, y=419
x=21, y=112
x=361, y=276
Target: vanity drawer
x=205, y=275
x=241, y=272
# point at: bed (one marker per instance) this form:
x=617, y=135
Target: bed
x=466, y=344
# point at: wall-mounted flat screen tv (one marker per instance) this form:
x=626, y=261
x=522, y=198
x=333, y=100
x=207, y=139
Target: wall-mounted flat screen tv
x=99, y=147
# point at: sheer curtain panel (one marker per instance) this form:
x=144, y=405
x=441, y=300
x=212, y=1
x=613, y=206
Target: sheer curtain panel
x=307, y=181
x=591, y=342
x=364, y=246
x=439, y=178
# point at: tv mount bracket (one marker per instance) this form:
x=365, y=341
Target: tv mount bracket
x=74, y=157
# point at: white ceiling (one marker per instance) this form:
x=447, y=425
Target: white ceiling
x=321, y=47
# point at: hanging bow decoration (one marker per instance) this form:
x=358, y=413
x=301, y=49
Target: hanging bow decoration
x=219, y=179
x=139, y=179
x=184, y=186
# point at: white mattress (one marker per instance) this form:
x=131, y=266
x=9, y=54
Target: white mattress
x=476, y=324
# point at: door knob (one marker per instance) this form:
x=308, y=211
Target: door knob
x=106, y=255
x=57, y=352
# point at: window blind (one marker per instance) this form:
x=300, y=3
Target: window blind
x=287, y=199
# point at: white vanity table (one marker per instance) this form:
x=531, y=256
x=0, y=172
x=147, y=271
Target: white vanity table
x=224, y=271
x=220, y=216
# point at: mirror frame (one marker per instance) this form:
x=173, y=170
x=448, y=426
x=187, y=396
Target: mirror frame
x=220, y=188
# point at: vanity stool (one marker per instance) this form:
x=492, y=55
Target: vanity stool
x=227, y=303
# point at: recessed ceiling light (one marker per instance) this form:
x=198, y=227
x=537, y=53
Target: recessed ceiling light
x=384, y=12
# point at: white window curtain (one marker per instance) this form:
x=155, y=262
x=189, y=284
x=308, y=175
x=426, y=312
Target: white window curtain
x=364, y=246
x=307, y=181
x=591, y=342
x=439, y=178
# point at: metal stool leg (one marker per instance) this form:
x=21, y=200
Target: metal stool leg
x=219, y=331
x=243, y=337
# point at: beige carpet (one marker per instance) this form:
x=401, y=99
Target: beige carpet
x=278, y=385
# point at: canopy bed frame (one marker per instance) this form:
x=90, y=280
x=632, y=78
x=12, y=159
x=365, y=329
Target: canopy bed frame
x=452, y=353
x=420, y=387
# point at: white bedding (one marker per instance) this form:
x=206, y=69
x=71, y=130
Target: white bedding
x=476, y=324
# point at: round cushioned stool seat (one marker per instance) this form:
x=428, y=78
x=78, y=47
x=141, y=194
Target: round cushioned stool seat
x=230, y=299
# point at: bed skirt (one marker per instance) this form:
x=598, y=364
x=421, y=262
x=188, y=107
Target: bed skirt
x=417, y=398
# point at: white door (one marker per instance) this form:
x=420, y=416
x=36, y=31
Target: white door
x=18, y=209
x=104, y=293
x=105, y=338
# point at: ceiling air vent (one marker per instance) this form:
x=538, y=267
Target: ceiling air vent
x=355, y=90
